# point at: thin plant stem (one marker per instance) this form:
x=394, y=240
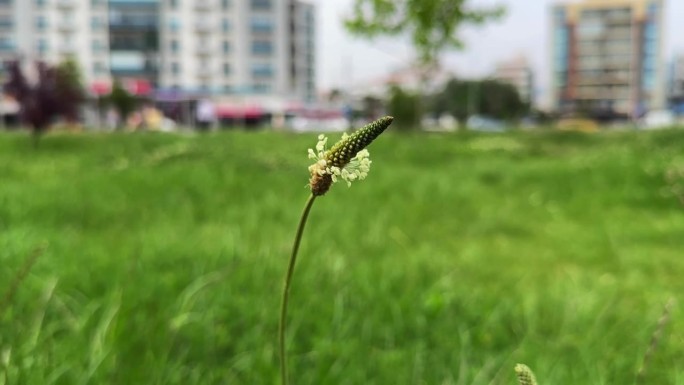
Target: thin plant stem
x=286, y=290
x=20, y=276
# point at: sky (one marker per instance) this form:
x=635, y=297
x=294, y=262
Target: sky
x=345, y=60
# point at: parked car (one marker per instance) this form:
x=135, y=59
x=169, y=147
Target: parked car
x=485, y=124
x=658, y=119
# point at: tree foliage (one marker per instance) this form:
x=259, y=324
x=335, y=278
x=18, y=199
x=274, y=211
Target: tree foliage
x=69, y=84
x=405, y=107
x=433, y=25
x=371, y=107
x=45, y=94
x=123, y=101
x=463, y=98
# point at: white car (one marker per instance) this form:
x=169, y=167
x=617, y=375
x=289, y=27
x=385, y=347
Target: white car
x=658, y=119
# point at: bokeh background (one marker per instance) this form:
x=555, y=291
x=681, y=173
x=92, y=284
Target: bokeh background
x=526, y=205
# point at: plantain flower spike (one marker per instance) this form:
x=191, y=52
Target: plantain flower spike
x=348, y=159
x=525, y=375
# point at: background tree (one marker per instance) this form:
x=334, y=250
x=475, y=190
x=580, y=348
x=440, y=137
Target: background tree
x=371, y=107
x=121, y=100
x=433, y=25
x=50, y=93
x=69, y=87
x=501, y=101
x=491, y=98
x=405, y=107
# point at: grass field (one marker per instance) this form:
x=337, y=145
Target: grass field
x=461, y=255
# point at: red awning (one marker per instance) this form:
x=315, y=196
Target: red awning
x=100, y=88
x=239, y=112
x=140, y=87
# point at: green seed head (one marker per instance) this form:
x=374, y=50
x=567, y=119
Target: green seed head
x=525, y=375
x=344, y=150
x=331, y=164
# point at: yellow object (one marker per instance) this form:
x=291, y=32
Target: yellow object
x=583, y=125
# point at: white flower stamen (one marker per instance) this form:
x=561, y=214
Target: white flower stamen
x=356, y=169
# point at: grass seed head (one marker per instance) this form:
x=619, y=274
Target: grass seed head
x=525, y=375
x=347, y=159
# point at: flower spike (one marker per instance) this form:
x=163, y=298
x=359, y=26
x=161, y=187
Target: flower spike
x=525, y=375
x=347, y=159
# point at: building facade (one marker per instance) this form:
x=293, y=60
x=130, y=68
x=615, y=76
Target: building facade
x=675, y=89
x=220, y=47
x=606, y=57
x=518, y=73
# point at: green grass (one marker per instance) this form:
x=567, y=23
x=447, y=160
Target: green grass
x=460, y=256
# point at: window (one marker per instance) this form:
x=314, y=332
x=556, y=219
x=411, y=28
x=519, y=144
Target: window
x=225, y=4
x=42, y=46
x=173, y=4
x=174, y=45
x=261, y=25
x=226, y=46
x=591, y=28
x=225, y=25
x=559, y=15
x=262, y=70
x=175, y=68
x=174, y=24
x=98, y=46
x=6, y=44
x=261, y=88
x=6, y=22
x=648, y=81
x=262, y=47
x=68, y=17
x=261, y=4
x=40, y=3
x=226, y=69
x=653, y=9
x=99, y=68
x=96, y=23
x=41, y=23
x=650, y=32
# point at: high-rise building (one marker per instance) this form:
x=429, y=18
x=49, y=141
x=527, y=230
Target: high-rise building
x=518, y=73
x=223, y=47
x=606, y=56
x=675, y=90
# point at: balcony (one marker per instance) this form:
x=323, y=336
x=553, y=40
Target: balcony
x=7, y=46
x=66, y=26
x=67, y=49
x=136, y=23
x=620, y=18
x=205, y=72
x=66, y=4
x=203, y=5
x=203, y=28
x=204, y=50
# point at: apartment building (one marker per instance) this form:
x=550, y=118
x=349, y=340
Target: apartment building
x=675, y=89
x=606, y=57
x=518, y=73
x=219, y=47
x=53, y=30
